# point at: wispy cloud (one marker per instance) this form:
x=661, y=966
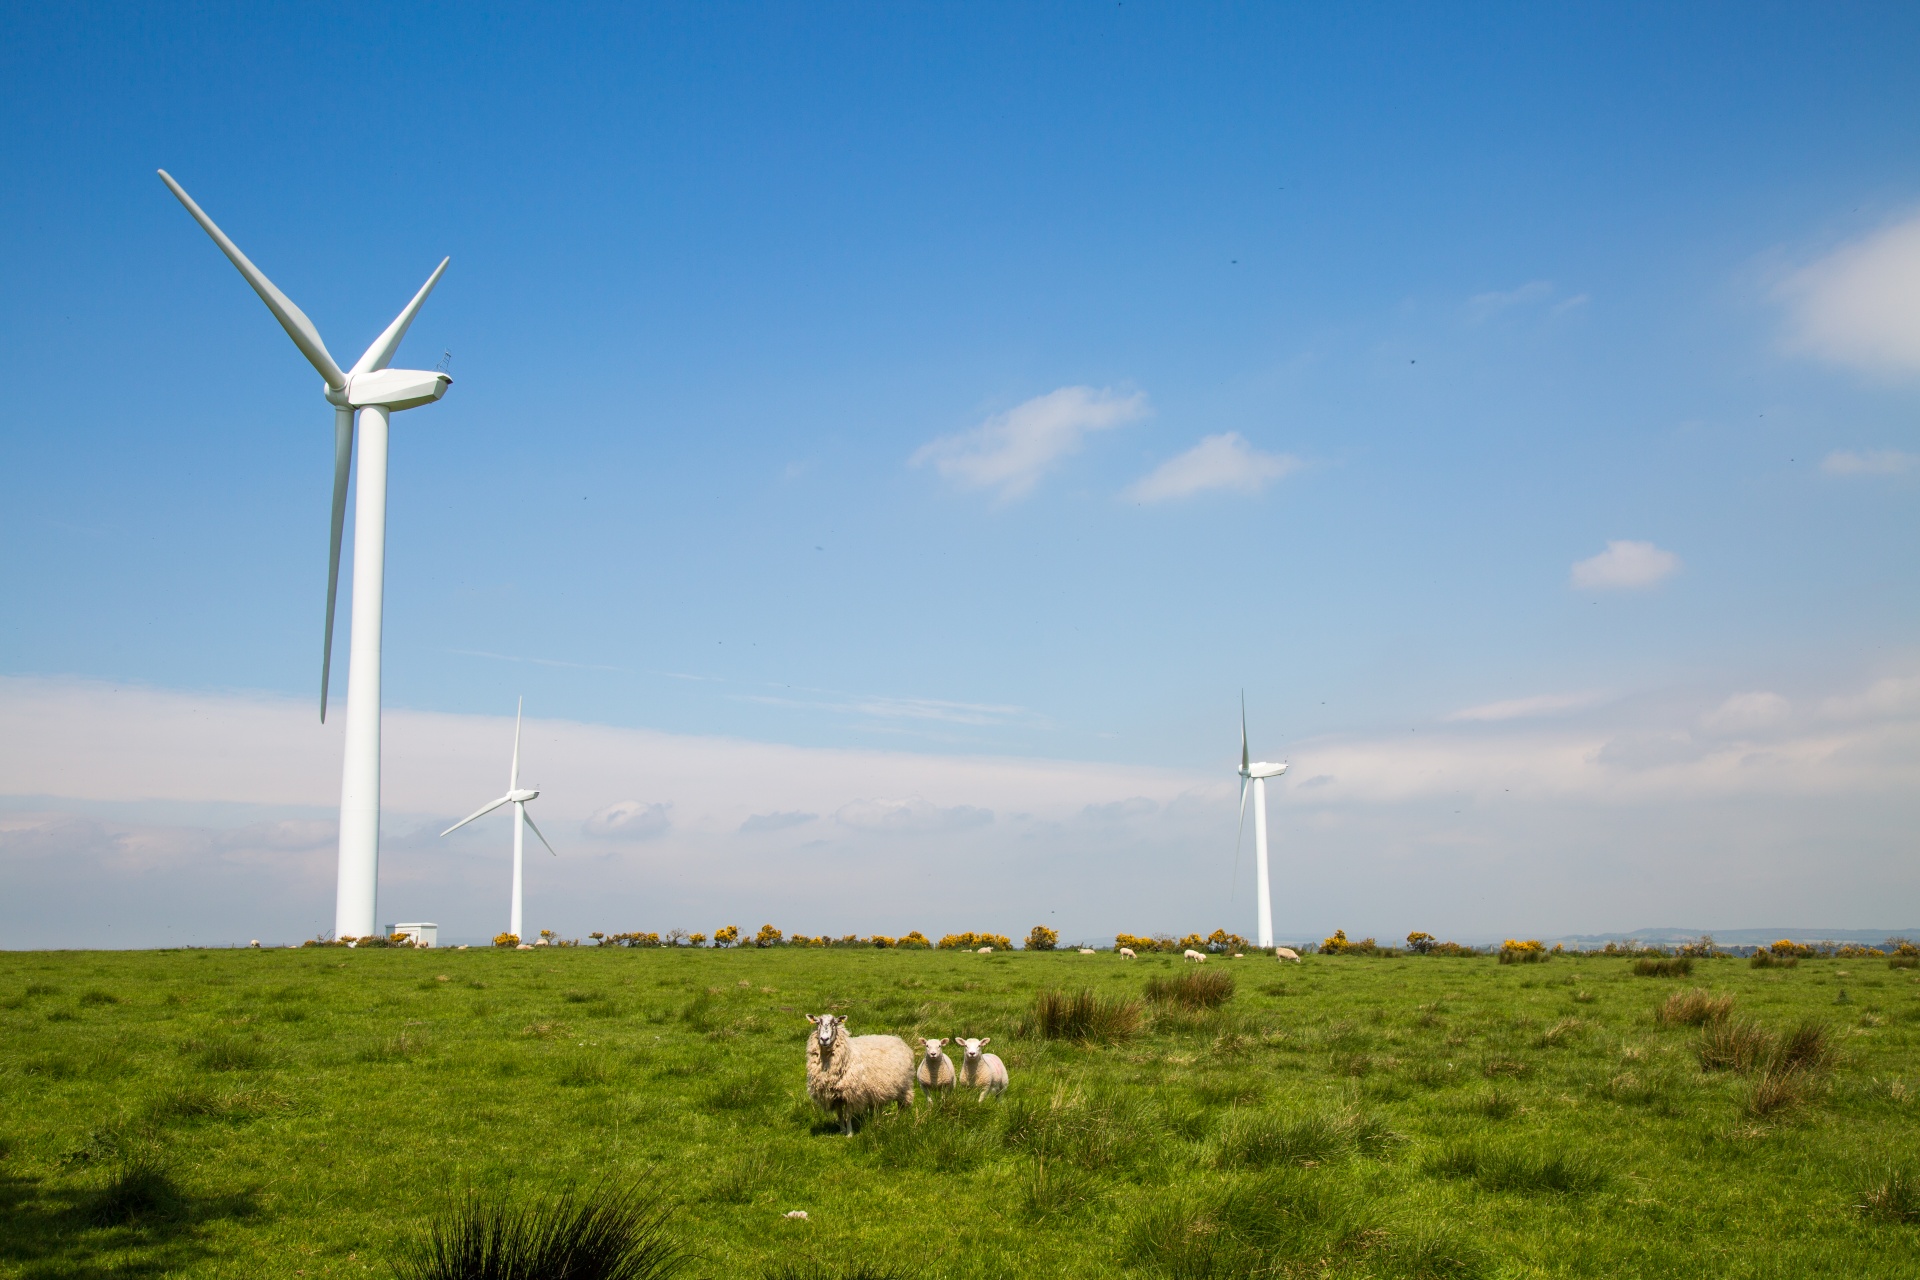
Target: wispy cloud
x=1747, y=712
x=1540, y=704
x=630, y=820
x=538, y=662
x=1625, y=565
x=1860, y=304
x=1218, y=462
x=775, y=821
x=1873, y=462
x=1485, y=306
x=1010, y=451
x=910, y=815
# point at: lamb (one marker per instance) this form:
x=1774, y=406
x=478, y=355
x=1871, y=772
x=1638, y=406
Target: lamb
x=982, y=1071
x=1126, y=953
x=1196, y=957
x=1286, y=953
x=935, y=1071
x=849, y=1076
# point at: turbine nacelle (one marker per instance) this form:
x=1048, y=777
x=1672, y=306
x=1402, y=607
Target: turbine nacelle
x=391, y=389
x=521, y=795
x=1261, y=769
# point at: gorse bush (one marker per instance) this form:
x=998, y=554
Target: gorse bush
x=603, y=1235
x=1082, y=1015
x=974, y=941
x=1340, y=945
x=1195, y=988
x=1693, y=1008
x=1663, y=967
x=1041, y=938
x=1527, y=951
x=1771, y=960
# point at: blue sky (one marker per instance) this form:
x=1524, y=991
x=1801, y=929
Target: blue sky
x=767, y=323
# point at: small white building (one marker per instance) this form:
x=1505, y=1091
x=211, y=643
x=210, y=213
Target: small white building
x=423, y=935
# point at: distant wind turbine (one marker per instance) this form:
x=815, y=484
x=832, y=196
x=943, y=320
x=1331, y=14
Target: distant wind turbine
x=377, y=392
x=518, y=799
x=1256, y=772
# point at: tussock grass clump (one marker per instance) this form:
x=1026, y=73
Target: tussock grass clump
x=1082, y=1015
x=1559, y=1172
x=1056, y=1191
x=1102, y=1131
x=1261, y=1140
x=1564, y=1032
x=231, y=1055
x=1663, y=967
x=830, y=1271
x=141, y=1187
x=1284, y=1220
x=96, y=996
x=1778, y=1089
x=1736, y=1044
x=1893, y=1196
x=1764, y=959
x=1192, y=989
x=1695, y=1008
x=603, y=1235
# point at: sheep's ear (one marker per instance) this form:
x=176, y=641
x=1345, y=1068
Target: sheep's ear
x=943, y=1042
x=985, y=1041
x=810, y=1018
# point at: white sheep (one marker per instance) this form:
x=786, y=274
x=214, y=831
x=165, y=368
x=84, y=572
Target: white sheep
x=1286, y=953
x=935, y=1069
x=1196, y=957
x=986, y=951
x=1088, y=951
x=982, y=1071
x=849, y=1076
x=1126, y=953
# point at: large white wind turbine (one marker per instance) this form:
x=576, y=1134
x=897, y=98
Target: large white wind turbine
x=1257, y=772
x=518, y=799
x=377, y=392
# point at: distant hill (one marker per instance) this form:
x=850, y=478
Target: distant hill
x=1736, y=937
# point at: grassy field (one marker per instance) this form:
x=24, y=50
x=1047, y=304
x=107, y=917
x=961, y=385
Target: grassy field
x=304, y=1113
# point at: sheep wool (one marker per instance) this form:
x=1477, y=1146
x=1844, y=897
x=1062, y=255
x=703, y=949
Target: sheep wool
x=935, y=1069
x=848, y=1076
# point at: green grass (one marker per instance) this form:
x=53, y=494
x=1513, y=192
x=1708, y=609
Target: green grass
x=314, y=1113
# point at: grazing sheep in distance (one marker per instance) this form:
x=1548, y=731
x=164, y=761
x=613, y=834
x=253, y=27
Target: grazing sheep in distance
x=935, y=1071
x=849, y=1076
x=1126, y=953
x=1088, y=951
x=982, y=1071
x=1196, y=957
x=1286, y=953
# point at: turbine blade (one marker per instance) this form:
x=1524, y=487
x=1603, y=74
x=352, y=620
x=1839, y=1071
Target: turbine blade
x=1239, y=833
x=477, y=813
x=342, y=468
x=513, y=778
x=1245, y=759
x=380, y=354
x=529, y=817
x=291, y=318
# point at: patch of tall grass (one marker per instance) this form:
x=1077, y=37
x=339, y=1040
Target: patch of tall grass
x=1893, y=1195
x=1261, y=1139
x=1663, y=967
x=603, y=1234
x=1083, y=1015
x=1555, y=1172
x=1192, y=989
x=140, y=1187
x=1693, y=1008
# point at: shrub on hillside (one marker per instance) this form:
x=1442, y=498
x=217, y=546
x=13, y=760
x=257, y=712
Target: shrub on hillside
x=1768, y=959
x=1041, y=938
x=1340, y=945
x=1664, y=967
x=1222, y=941
x=974, y=941
x=506, y=939
x=727, y=936
x=1519, y=951
x=768, y=936
x=914, y=941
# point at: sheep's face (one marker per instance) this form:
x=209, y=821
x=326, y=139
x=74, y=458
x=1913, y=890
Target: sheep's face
x=825, y=1025
x=973, y=1047
x=934, y=1047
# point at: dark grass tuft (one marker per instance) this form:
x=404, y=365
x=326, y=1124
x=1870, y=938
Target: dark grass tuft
x=97, y=996
x=1892, y=1196
x=1736, y=1045
x=1193, y=989
x=602, y=1234
x=232, y=1055
x=1498, y=1169
x=1669, y=967
x=1260, y=1140
x=1764, y=959
x=1082, y=1015
x=140, y=1188
x=1693, y=1008
x=829, y=1271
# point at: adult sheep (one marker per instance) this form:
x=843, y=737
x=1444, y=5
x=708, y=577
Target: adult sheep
x=934, y=1071
x=1286, y=953
x=1196, y=957
x=1126, y=953
x=848, y=1076
x=982, y=1071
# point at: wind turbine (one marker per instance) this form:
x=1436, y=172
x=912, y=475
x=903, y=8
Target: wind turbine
x=377, y=392
x=518, y=799
x=1256, y=772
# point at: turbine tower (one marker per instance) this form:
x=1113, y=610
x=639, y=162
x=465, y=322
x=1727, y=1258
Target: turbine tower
x=1257, y=772
x=518, y=799
x=377, y=392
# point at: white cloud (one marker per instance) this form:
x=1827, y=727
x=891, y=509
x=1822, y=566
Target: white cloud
x=1860, y=305
x=1484, y=306
x=1217, y=462
x=909, y=815
x=775, y=821
x=1746, y=712
x=1625, y=565
x=629, y=819
x=1874, y=462
x=1540, y=704
x=1011, y=451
